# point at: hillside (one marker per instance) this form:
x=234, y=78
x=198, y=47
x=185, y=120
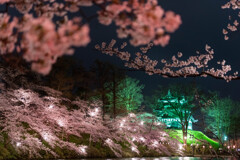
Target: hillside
x=37, y=122
x=200, y=138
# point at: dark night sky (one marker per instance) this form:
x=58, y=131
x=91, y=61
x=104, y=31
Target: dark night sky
x=203, y=21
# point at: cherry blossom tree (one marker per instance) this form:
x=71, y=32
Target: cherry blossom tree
x=38, y=118
x=31, y=121
x=41, y=39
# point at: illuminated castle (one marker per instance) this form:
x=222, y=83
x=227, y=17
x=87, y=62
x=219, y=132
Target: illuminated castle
x=166, y=111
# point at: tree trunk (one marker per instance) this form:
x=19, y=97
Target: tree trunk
x=103, y=106
x=114, y=95
x=184, y=135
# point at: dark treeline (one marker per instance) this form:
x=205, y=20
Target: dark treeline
x=102, y=81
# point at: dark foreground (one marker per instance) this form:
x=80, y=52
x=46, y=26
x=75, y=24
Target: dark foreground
x=172, y=158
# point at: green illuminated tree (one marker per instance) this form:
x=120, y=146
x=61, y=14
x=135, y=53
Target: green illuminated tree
x=128, y=95
x=218, y=116
x=182, y=111
x=235, y=125
x=182, y=107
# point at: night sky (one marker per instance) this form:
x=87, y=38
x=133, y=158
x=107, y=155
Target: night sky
x=203, y=21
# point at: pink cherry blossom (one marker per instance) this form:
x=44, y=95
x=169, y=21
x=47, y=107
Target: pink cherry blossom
x=171, y=21
x=194, y=66
x=4, y=1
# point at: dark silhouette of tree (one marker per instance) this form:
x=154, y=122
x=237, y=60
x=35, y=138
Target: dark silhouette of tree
x=71, y=78
x=104, y=74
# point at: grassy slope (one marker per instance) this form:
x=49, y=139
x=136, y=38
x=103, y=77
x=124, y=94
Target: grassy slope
x=96, y=149
x=198, y=134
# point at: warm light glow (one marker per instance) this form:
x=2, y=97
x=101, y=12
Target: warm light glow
x=46, y=137
x=92, y=114
x=108, y=141
x=96, y=109
x=234, y=146
x=60, y=123
x=203, y=146
x=134, y=149
x=82, y=149
x=155, y=143
x=121, y=124
x=141, y=123
x=18, y=144
x=185, y=137
x=180, y=147
x=142, y=139
x=131, y=115
x=228, y=147
x=210, y=146
x=50, y=106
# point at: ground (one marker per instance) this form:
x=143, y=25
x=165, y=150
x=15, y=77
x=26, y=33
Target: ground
x=199, y=136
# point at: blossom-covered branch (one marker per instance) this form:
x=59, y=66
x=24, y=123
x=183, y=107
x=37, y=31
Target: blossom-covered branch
x=194, y=66
x=53, y=31
x=234, y=25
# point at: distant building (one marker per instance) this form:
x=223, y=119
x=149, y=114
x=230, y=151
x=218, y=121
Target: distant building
x=170, y=120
